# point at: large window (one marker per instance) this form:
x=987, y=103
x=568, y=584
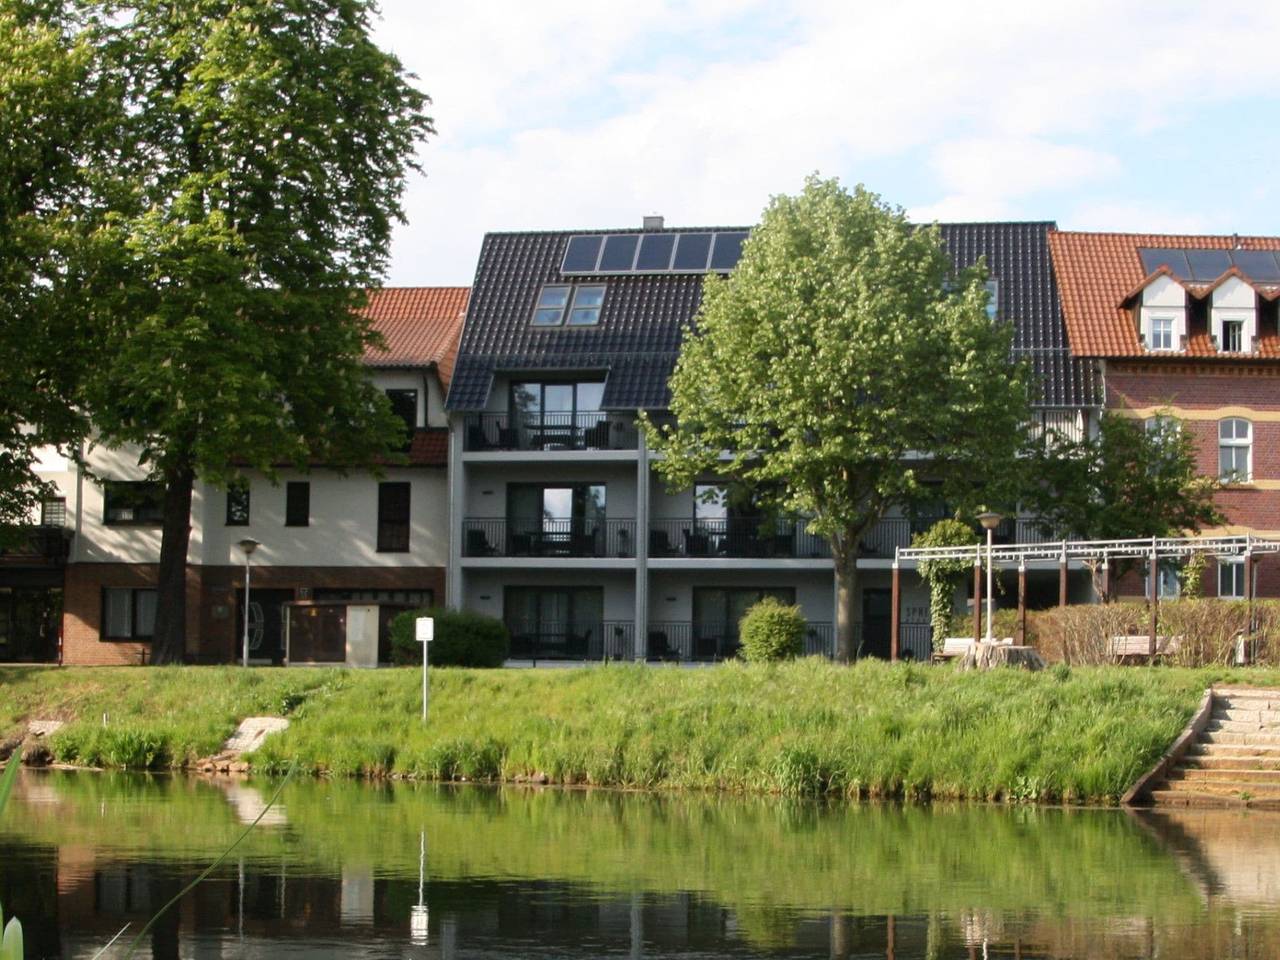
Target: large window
x=554, y=621
x=297, y=503
x=557, y=416
x=132, y=502
x=393, y=517
x=1168, y=586
x=1231, y=579
x=238, y=505
x=128, y=613
x=717, y=611
x=587, y=302
x=549, y=311
x=404, y=404
x=556, y=519
x=1235, y=450
x=581, y=304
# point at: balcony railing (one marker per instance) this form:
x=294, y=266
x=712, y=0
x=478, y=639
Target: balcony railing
x=572, y=639
x=717, y=640
x=39, y=546
x=499, y=537
x=786, y=539
x=585, y=430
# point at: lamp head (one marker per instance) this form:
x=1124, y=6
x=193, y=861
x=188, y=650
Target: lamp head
x=989, y=519
x=248, y=545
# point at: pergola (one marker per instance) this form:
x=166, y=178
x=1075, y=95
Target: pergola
x=1090, y=552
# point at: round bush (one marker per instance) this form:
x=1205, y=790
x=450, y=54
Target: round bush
x=771, y=630
x=462, y=639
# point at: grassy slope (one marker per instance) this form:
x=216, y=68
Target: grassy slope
x=799, y=728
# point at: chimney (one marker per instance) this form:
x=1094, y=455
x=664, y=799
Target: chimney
x=653, y=221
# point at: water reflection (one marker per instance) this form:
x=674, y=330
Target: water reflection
x=426, y=871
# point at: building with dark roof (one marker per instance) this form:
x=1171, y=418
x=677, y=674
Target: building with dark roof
x=559, y=525
x=1185, y=333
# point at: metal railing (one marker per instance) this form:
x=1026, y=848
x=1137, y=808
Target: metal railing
x=683, y=641
x=786, y=539
x=585, y=430
x=892, y=532
x=45, y=545
x=572, y=639
x=500, y=537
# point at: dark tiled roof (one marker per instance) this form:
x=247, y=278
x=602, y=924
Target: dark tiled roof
x=421, y=326
x=638, y=337
x=1098, y=272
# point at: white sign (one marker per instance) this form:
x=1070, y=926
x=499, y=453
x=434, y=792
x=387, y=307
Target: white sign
x=425, y=629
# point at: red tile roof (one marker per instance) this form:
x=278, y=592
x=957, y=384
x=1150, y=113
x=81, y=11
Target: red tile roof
x=430, y=447
x=1097, y=271
x=421, y=326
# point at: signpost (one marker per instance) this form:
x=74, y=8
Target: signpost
x=424, y=630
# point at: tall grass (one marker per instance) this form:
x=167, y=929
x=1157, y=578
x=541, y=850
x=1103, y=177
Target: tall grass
x=804, y=728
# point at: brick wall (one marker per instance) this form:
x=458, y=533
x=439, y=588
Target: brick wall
x=212, y=634
x=1203, y=394
x=1266, y=567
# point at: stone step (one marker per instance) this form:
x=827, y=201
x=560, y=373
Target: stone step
x=1224, y=788
x=1236, y=715
x=1237, y=738
x=1189, y=798
x=1245, y=703
x=1242, y=726
x=1247, y=775
x=1263, y=751
x=1245, y=762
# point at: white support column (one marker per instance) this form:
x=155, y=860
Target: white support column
x=457, y=504
x=642, y=549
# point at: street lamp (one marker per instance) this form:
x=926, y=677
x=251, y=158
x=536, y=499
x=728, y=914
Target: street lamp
x=989, y=520
x=247, y=546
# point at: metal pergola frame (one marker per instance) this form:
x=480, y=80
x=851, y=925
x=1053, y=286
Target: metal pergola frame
x=1089, y=552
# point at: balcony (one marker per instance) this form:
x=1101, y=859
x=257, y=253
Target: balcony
x=708, y=641
x=892, y=532
x=37, y=546
x=585, y=430
x=735, y=538
x=572, y=639
x=500, y=537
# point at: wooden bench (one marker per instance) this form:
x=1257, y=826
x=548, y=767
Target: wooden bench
x=953, y=647
x=1138, y=646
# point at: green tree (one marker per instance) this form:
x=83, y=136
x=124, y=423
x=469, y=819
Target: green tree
x=840, y=366
x=262, y=150
x=944, y=575
x=1124, y=482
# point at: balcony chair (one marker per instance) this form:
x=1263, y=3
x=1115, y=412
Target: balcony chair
x=478, y=544
x=660, y=544
x=596, y=437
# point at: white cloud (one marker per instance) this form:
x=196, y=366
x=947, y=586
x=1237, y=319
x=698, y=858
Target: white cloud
x=555, y=115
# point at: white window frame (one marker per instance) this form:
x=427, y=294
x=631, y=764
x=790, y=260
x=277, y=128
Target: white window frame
x=1239, y=326
x=541, y=307
x=1172, y=322
x=1236, y=443
x=1236, y=566
x=1164, y=426
x=1168, y=582
x=593, y=309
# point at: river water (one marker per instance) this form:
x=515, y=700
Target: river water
x=402, y=870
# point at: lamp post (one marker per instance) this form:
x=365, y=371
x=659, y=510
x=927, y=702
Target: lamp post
x=989, y=520
x=247, y=546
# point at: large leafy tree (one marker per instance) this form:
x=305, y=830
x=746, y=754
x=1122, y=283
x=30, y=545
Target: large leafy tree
x=53, y=119
x=261, y=152
x=840, y=367
x=1123, y=482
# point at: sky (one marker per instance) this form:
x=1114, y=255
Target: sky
x=1150, y=117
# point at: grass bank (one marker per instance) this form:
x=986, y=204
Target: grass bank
x=810, y=727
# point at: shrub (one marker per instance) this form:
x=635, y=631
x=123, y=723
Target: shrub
x=771, y=630
x=462, y=639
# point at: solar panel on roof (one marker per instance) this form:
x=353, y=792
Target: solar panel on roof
x=727, y=251
x=1153, y=258
x=1259, y=265
x=581, y=254
x=691, y=254
x=655, y=251
x=619, y=253
x=1208, y=265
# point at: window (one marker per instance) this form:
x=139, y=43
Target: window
x=238, y=506
x=1167, y=586
x=393, y=517
x=555, y=299
x=136, y=502
x=53, y=512
x=559, y=416
x=1235, y=448
x=557, y=519
x=1161, y=333
x=993, y=298
x=404, y=404
x=128, y=613
x=1231, y=579
x=1232, y=336
x=551, y=303
x=554, y=622
x=586, y=306
x=297, y=503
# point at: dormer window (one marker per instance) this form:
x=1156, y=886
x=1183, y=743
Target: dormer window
x=1233, y=315
x=581, y=303
x=1161, y=337
x=1232, y=336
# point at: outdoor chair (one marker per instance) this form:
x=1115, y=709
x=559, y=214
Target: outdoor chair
x=659, y=544
x=596, y=437
x=478, y=544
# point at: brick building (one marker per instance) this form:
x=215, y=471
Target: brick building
x=1185, y=332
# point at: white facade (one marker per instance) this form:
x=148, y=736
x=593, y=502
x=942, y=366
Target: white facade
x=1164, y=302
x=1234, y=301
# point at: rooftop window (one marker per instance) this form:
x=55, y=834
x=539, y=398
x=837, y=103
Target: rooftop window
x=581, y=303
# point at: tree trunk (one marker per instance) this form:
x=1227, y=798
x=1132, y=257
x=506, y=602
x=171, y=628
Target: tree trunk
x=846, y=596
x=169, y=644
